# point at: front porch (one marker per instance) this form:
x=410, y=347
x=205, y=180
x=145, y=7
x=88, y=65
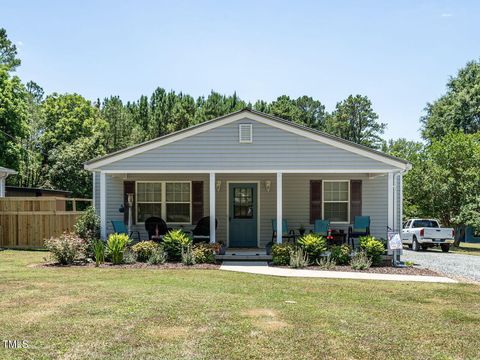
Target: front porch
x=246, y=203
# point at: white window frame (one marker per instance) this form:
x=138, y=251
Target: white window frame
x=164, y=191
x=163, y=203
x=250, y=127
x=347, y=201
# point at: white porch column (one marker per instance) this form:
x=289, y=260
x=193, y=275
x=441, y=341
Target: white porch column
x=279, y=206
x=2, y=186
x=391, y=201
x=212, y=207
x=103, y=206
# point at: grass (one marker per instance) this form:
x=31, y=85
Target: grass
x=89, y=313
x=464, y=248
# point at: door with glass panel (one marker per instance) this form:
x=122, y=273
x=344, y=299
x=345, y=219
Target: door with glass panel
x=242, y=218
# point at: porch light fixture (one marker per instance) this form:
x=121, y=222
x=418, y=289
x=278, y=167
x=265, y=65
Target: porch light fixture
x=268, y=185
x=218, y=185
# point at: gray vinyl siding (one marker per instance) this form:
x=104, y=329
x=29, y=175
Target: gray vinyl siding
x=115, y=196
x=96, y=192
x=272, y=149
x=296, y=200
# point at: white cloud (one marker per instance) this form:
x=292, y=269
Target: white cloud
x=446, y=15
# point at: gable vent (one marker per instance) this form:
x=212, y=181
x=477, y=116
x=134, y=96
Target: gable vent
x=245, y=133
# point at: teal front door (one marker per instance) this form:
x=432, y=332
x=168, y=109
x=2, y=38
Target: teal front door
x=242, y=215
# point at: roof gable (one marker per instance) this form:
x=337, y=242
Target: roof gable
x=308, y=136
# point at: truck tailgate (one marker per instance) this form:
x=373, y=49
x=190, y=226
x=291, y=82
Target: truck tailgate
x=431, y=233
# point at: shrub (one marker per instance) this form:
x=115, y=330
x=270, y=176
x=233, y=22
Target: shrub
x=116, y=245
x=173, y=242
x=373, y=248
x=88, y=225
x=360, y=261
x=298, y=258
x=66, y=248
x=98, y=248
x=158, y=256
x=129, y=257
x=281, y=254
x=187, y=255
x=204, y=253
x=341, y=254
x=313, y=244
x=144, y=249
x=327, y=263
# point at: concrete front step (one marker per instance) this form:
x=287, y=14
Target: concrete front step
x=243, y=257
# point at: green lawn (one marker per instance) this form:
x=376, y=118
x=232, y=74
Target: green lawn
x=142, y=313
x=464, y=248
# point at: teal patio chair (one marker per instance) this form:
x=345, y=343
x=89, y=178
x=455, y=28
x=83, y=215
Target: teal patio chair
x=321, y=227
x=286, y=234
x=120, y=228
x=360, y=227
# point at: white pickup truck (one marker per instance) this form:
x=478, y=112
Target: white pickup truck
x=424, y=233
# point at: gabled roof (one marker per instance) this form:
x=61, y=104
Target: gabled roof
x=257, y=116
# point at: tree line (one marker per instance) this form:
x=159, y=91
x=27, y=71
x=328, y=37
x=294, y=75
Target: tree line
x=47, y=138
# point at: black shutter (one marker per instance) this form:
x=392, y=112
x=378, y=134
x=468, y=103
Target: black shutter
x=315, y=200
x=355, y=198
x=197, y=201
x=128, y=188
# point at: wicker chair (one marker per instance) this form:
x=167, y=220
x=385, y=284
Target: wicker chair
x=156, y=228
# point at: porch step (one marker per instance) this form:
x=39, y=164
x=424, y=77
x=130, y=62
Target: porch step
x=243, y=257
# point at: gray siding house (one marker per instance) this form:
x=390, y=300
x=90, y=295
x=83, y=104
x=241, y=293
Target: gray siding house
x=247, y=169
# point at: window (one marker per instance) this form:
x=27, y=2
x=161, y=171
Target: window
x=336, y=197
x=169, y=200
x=178, y=202
x=245, y=133
x=149, y=200
x=425, y=223
x=243, y=203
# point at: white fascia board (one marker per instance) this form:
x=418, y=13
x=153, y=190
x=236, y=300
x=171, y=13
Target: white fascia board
x=219, y=171
x=239, y=116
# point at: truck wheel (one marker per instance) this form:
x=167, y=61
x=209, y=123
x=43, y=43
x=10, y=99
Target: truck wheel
x=415, y=244
x=445, y=247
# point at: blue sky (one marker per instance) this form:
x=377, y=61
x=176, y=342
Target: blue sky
x=399, y=53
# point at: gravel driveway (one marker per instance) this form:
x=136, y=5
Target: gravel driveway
x=456, y=265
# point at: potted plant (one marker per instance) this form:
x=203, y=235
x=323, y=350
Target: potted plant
x=268, y=248
x=219, y=248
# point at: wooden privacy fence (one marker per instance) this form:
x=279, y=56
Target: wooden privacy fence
x=25, y=222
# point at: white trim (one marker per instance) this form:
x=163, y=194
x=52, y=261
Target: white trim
x=251, y=171
x=390, y=202
x=401, y=203
x=348, y=201
x=212, y=209
x=2, y=187
x=279, y=207
x=258, y=183
x=163, y=203
x=239, y=116
x=103, y=206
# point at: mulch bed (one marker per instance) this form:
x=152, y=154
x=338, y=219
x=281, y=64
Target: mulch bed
x=412, y=270
x=138, y=265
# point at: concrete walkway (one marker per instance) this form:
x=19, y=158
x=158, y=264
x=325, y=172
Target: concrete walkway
x=262, y=268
